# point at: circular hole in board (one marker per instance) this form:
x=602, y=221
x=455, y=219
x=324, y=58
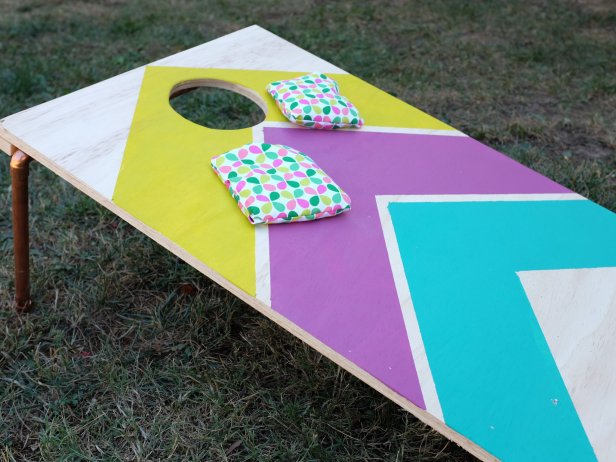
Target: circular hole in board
x=218, y=104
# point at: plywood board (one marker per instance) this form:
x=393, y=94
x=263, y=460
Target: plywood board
x=431, y=290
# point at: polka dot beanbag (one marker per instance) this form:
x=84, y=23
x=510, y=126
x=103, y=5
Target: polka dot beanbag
x=272, y=183
x=314, y=101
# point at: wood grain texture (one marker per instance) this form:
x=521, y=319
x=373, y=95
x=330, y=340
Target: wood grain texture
x=582, y=342
x=6, y=147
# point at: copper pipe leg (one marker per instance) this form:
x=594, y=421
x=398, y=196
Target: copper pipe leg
x=19, y=179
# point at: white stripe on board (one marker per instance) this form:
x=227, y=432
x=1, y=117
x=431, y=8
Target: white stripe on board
x=374, y=129
x=424, y=374
x=262, y=264
x=262, y=252
x=481, y=197
x=411, y=131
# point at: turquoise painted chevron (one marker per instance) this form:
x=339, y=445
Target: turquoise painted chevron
x=492, y=368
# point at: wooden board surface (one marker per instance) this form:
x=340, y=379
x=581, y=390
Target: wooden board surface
x=459, y=285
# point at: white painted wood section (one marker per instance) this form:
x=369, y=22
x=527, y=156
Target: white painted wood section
x=412, y=131
x=83, y=133
x=481, y=197
x=82, y=136
x=576, y=309
x=252, y=48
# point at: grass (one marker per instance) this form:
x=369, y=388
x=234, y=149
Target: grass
x=132, y=355
x=217, y=108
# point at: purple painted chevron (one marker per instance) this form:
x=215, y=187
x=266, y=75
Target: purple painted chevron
x=332, y=277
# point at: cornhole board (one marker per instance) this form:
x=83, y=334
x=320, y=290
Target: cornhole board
x=472, y=291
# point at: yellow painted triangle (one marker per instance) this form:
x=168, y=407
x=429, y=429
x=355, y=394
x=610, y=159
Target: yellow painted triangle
x=166, y=180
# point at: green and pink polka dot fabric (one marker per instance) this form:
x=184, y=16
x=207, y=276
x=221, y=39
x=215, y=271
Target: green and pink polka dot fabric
x=272, y=183
x=314, y=101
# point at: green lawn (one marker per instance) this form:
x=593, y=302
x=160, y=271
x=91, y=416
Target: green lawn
x=132, y=355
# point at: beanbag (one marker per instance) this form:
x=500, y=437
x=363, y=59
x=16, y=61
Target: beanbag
x=314, y=101
x=272, y=183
